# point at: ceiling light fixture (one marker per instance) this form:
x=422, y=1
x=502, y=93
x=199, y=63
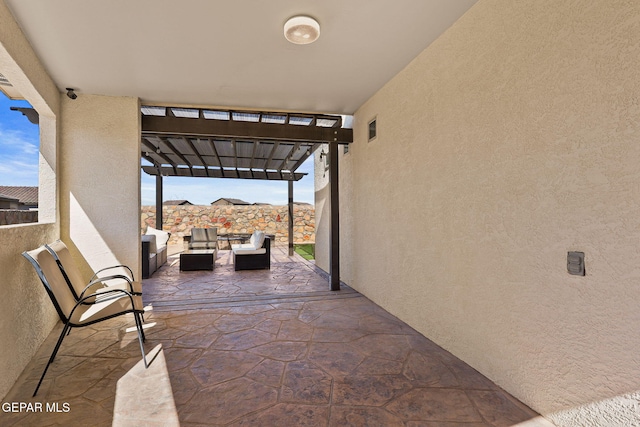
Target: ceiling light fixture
x=301, y=29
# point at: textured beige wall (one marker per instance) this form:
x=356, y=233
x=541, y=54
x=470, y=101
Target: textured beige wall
x=511, y=140
x=100, y=181
x=26, y=314
x=323, y=212
x=322, y=204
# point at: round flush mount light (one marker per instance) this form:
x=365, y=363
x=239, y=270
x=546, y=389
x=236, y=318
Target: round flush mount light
x=301, y=29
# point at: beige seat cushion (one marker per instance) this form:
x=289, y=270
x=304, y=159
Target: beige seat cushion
x=249, y=251
x=109, y=307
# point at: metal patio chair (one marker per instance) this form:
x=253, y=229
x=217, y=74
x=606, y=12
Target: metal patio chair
x=79, y=287
x=87, y=310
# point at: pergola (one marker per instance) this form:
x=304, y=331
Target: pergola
x=221, y=143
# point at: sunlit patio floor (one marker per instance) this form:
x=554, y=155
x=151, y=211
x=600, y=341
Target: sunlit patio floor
x=258, y=348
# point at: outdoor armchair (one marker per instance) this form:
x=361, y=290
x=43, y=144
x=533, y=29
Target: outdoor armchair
x=204, y=238
x=253, y=255
x=87, y=310
x=98, y=282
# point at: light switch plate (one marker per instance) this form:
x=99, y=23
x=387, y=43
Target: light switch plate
x=575, y=263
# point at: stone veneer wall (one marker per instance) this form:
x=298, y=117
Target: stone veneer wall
x=179, y=220
x=12, y=216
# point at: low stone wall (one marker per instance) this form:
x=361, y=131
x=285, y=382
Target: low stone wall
x=179, y=220
x=11, y=216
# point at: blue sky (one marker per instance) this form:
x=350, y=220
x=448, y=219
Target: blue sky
x=19, y=141
x=202, y=191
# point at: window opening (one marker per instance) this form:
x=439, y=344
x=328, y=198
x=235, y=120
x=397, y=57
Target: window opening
x=19, y=157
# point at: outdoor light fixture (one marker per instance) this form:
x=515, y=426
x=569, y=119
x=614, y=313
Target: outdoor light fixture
x=30, y=113
x=70, y=93
x=301, y=29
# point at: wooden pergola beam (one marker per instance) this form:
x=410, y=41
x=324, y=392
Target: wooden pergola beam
x=268, y=175
x=231, y=129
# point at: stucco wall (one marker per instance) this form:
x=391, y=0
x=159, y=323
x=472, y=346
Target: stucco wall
x=512, y=139
x=323, y=209
x=100, y=183
x=26, y=315
x=322, y=204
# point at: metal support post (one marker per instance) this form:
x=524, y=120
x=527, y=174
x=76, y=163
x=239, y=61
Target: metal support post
x=290, y=218
x=159, y=202
x=334, y=223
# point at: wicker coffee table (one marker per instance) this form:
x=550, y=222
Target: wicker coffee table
x=197, y=259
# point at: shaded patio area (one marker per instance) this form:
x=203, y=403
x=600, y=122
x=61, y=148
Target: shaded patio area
x=259, y=348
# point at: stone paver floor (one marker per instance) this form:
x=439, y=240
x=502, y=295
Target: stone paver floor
x=258, y=348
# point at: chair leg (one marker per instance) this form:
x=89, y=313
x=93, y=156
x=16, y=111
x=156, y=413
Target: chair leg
x=141, y=338
x=141, y=321
x=65, y=331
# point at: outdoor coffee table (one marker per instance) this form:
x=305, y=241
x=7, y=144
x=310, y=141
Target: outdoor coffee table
x=197, y=259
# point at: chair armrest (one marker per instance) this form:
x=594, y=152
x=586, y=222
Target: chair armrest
x=107, y=278
x=132, y=279
x=101, y=297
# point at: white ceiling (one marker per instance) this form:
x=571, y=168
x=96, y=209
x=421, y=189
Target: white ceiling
x=232, y=53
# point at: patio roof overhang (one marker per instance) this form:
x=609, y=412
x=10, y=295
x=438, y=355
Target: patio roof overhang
x=220, y=143
x=217, y=143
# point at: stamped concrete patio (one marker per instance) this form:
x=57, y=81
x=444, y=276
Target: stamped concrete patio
x=258, y=348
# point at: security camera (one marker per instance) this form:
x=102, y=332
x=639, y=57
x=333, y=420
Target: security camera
x=71, y=94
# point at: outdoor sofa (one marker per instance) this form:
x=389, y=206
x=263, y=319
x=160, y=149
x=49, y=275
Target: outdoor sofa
x=154, y=250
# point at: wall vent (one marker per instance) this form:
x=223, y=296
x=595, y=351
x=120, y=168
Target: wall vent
x=4, y=81
x=373, y=129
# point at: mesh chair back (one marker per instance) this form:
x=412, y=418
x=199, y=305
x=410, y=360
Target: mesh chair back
x=53, y=281
x=68, y=266
x=204, y=238
x=212, y=234
x=199, y=235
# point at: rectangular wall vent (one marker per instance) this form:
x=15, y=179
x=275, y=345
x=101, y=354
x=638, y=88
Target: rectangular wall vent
x=4, y=81
x=373, y=129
